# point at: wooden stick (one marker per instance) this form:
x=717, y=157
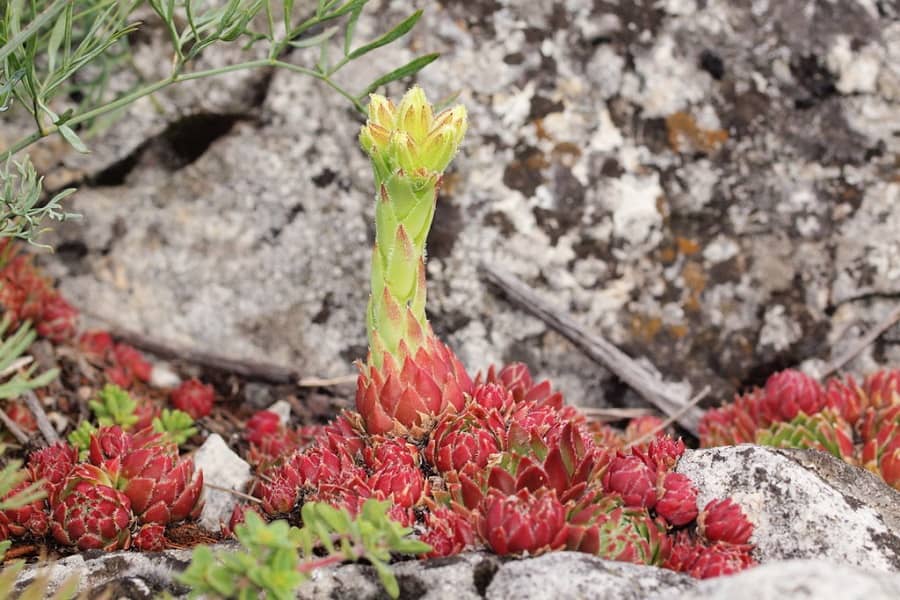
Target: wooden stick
x=232, y=492
x=327, y=381
x=13, y=428
x=652, y=433
x=863, y=342
x=647, y=385
x=44, y=425
x=253, y=370
x=613, y=414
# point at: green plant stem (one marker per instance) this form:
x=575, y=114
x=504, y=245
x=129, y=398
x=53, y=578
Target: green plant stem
x=177, y=78
x=42, y=19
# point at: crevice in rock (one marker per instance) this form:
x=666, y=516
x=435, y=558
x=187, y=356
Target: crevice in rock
x=180, y=144
x=483, y=574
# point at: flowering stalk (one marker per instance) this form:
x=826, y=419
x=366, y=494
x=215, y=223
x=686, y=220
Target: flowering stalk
x=409, y=148
x=411, y=377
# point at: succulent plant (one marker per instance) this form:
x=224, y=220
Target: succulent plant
x=90, y=513
x=402, y=484
x=161, y=487
x=175, y=425
x=472, y=436
x=51, y=466
x=882, y=389
x=633, y=480
x=881, y=446
x=791, y=392
x=193, y=397
x=676, y=499
x=701, y=560
x=532, y=522
x=58, y=320
x=624, y=535
x=447, y=532
x=150, y=537
x=821, y=431
x=411, y=377
x=724, y=521
x=114, y=406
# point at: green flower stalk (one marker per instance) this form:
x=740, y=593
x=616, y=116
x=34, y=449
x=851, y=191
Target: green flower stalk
x=411, y=376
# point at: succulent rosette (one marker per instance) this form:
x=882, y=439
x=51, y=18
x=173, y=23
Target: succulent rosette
x=447, y=532
x=31, y=518
x=411, y=378
x=472, y=436
x=823, y=430
x=881, y=447
x=90, y=513
x=193, y=397
x=791, y=392
x=150, y=538
x=882, y=389
x=676, y=499
x=698, y=559
x=628, y=476
x=161, y=487
x=724, y=521
x=52, y=465
x=526, y=522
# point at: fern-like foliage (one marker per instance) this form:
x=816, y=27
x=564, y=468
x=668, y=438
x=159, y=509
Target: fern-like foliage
x=276, y=558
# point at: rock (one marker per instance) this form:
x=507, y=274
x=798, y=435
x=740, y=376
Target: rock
x=571, y=576
x=282, y=408
x=139, y=575
x=803, y=507
x=460, y=577
x=798, y=580
x=760, y=157
x=163, y=376
x=224, y=468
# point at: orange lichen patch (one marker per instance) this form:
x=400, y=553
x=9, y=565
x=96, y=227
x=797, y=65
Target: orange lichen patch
x=565, y=153
x=667, y=254
x=678, y=331
x=686, y=136
x=694, y=283
x=539, y=130
x=449, y=182
x=645, y=327
x=687, y=246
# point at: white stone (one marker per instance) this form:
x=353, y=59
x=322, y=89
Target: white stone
x=163, y=376
x=798, y=510
x=799, y=580
x=282, y=408
x=224, y=468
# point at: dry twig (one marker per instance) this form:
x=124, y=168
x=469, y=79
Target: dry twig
x=652, y=433
x=240, y=495
x=249, y=369
x=862, y=343
x=43, y=423
x=13, y=428
x=597, y=348
x=327, y=381
x=613, y=414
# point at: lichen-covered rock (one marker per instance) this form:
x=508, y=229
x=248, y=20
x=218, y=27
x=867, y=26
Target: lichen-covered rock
x=462, y=577
x=803, y=507
x=798, y=580
x=711, y=185
x=570, y=576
